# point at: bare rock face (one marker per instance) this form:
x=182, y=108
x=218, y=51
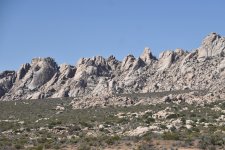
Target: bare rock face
x=113, y=63
x=147, y=56
x=7, y=78
x=91, y=66
x=2, y=92
x=97, y=76
x=221, y=68
x=212, y=45
x=67, y=71
x=138, y=64
x=166, y=58
x=127, y=62
x=23, y=70
x=43, y=69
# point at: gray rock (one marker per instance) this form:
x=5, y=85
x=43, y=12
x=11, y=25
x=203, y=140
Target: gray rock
x=23, y=70
x=212, y=45
x=174, y=70
x=43, y=69
x=147, y=56
x=166, y=58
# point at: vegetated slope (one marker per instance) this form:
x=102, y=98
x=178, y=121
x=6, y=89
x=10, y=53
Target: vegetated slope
x=203, y=68
x=54, y=124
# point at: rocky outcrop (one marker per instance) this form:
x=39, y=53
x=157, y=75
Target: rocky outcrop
x=147, y=56
x=127, y=63
x=7, y=78
x=166, y=58
x=22, y=71
x=67, y=71
x=43, y=69
x=97, y=76
x=212, y=45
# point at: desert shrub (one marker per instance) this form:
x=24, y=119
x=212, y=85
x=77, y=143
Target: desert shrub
x=195, y=129
x=202, y=120
x=149, y=120
x=8, y=125
x=223, y=105
x=74, y=140
x=147, y=115
x=146, y=146
x=212, y=128
x=193, y=115
x=47, y=146
x=162, y=126
x=84, y=146
x=41, y=140
x=19, y=146
x=170, y=136
x=147, y=136
x=39, y=147
x=183, y=120
x=211, y=140
x=172, y=116
x=173, y=128
x=86, y=124
x=122, y=120
x=74, y=129
x=54, y=123
x=112, y=140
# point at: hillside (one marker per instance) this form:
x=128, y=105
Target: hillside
x=202, y=68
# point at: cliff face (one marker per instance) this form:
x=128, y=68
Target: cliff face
x=204, y=68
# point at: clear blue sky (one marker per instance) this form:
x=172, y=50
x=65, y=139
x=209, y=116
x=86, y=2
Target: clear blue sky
x=70, y=29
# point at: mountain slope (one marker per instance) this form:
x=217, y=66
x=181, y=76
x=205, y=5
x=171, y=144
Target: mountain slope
x=203, y=68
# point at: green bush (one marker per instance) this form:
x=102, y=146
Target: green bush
x=122, y=120
x=112, y=140
x=170, y=136
x=202, y=120
x=84, y=146
x=172, y=116
x=19, y=146
x=40, y=147
x=74, y=129
x=85, y=124
x=211, y=140
x=54, y=123
x=149, y=120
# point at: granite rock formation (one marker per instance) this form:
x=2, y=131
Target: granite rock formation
x=202, y=68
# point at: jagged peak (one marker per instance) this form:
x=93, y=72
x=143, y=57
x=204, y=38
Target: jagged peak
x=165, y=54
x=210, y=38
x=147, y=56
x=213, y=34
x=212, y=45
x=111, y=57
x=99, y=60
x=127, y=62
x=180, y=51
x=6, y=73
x=46, y=59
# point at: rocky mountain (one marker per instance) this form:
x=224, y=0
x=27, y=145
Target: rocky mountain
x=202, y=68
